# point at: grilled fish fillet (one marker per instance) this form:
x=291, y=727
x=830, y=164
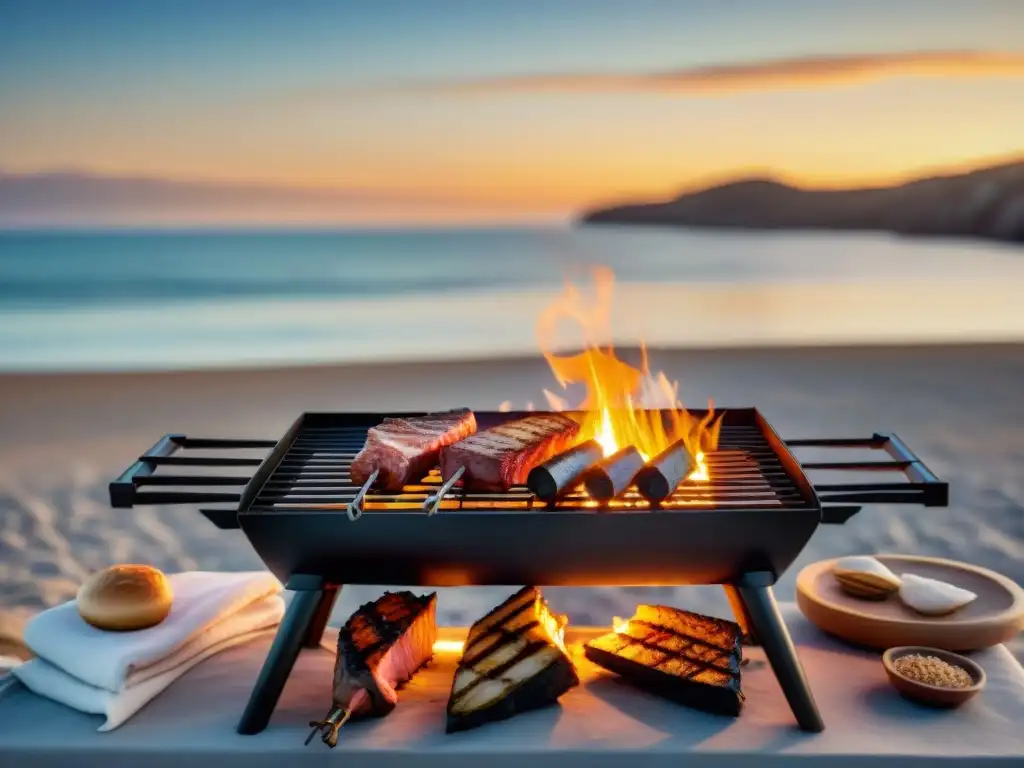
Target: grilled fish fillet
x=514, y=660
x=381, y=646
x=683, y=656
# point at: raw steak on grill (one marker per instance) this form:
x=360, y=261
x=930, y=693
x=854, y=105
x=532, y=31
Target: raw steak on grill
x=405, y=449
x=502, y=456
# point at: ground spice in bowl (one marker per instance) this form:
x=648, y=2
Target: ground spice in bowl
x=931, y=670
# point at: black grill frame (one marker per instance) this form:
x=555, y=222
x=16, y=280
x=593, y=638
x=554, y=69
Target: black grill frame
x=745, y=546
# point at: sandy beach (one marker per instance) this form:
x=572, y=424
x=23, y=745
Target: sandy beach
x=66, y=435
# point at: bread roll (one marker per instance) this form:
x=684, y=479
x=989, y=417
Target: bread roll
x=125, y=597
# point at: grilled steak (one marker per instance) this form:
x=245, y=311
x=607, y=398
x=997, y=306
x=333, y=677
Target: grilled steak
x=502, y=456
x=381, y=646
x=686, y=657
x=404, y=450
x=514, y=660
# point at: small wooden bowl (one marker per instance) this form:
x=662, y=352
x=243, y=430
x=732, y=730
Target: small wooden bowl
x=933, y=695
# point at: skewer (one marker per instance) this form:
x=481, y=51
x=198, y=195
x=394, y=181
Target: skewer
x=329, y=727
x=663, y=474
x=355, y=507
x=548, y=480
x=613, y=475
x=433, y=503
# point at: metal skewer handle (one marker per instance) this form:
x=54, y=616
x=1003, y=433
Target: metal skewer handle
x=433, y=503
x=355, y=507
x=329, y=728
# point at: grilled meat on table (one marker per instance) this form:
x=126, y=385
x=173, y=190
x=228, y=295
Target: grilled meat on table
x=683, y=656
x=502, y=456
x=381, y=646
x=514, y=660
x=404, y=450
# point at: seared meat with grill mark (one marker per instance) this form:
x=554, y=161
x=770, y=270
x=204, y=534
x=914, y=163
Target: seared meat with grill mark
x=381, y=646
x=713, y=631
x=502, y=456
x=404, y=450
x=686, y=657
x=514, y=660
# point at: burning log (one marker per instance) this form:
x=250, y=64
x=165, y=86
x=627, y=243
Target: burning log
x=614, y=474
x=553, y=477
x=663, y=474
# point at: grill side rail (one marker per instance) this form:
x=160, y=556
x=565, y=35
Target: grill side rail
x=141, y=484
x=841, y=501
x=279, y=480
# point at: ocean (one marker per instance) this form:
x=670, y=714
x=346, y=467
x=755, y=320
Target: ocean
x=173, y=300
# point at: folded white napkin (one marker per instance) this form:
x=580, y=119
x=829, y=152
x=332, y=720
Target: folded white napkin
x=106, y=659
x=258, y=619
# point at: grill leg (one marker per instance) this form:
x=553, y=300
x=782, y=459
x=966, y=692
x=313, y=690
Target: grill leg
x=739, y=610
x=768, y=626
x=303, y=611
x=315, y=633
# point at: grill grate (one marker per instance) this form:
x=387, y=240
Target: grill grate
x=313, y=474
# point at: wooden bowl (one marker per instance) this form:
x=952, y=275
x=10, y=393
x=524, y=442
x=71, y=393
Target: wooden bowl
x=933, y=695
x=997, y=615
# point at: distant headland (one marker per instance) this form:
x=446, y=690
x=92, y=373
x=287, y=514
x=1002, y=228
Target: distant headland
x=985, y=203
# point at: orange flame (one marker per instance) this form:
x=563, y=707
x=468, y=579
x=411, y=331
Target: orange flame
x=620, y=625
x=616, y=392
x=554, y=624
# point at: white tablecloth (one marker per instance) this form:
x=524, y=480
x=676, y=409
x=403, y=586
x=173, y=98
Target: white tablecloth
x=601, y=723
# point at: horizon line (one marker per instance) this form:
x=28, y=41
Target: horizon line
x=719, y=178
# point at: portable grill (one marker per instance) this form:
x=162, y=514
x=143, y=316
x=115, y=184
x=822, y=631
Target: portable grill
x=742, y=528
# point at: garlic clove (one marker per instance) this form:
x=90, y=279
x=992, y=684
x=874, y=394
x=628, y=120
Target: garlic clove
x=865, y=577
x=931, y=597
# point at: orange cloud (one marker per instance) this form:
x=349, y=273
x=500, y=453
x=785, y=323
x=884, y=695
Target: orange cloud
x=771, y=75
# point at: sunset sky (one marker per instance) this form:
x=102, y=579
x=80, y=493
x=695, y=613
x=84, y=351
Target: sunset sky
x=419, y=109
